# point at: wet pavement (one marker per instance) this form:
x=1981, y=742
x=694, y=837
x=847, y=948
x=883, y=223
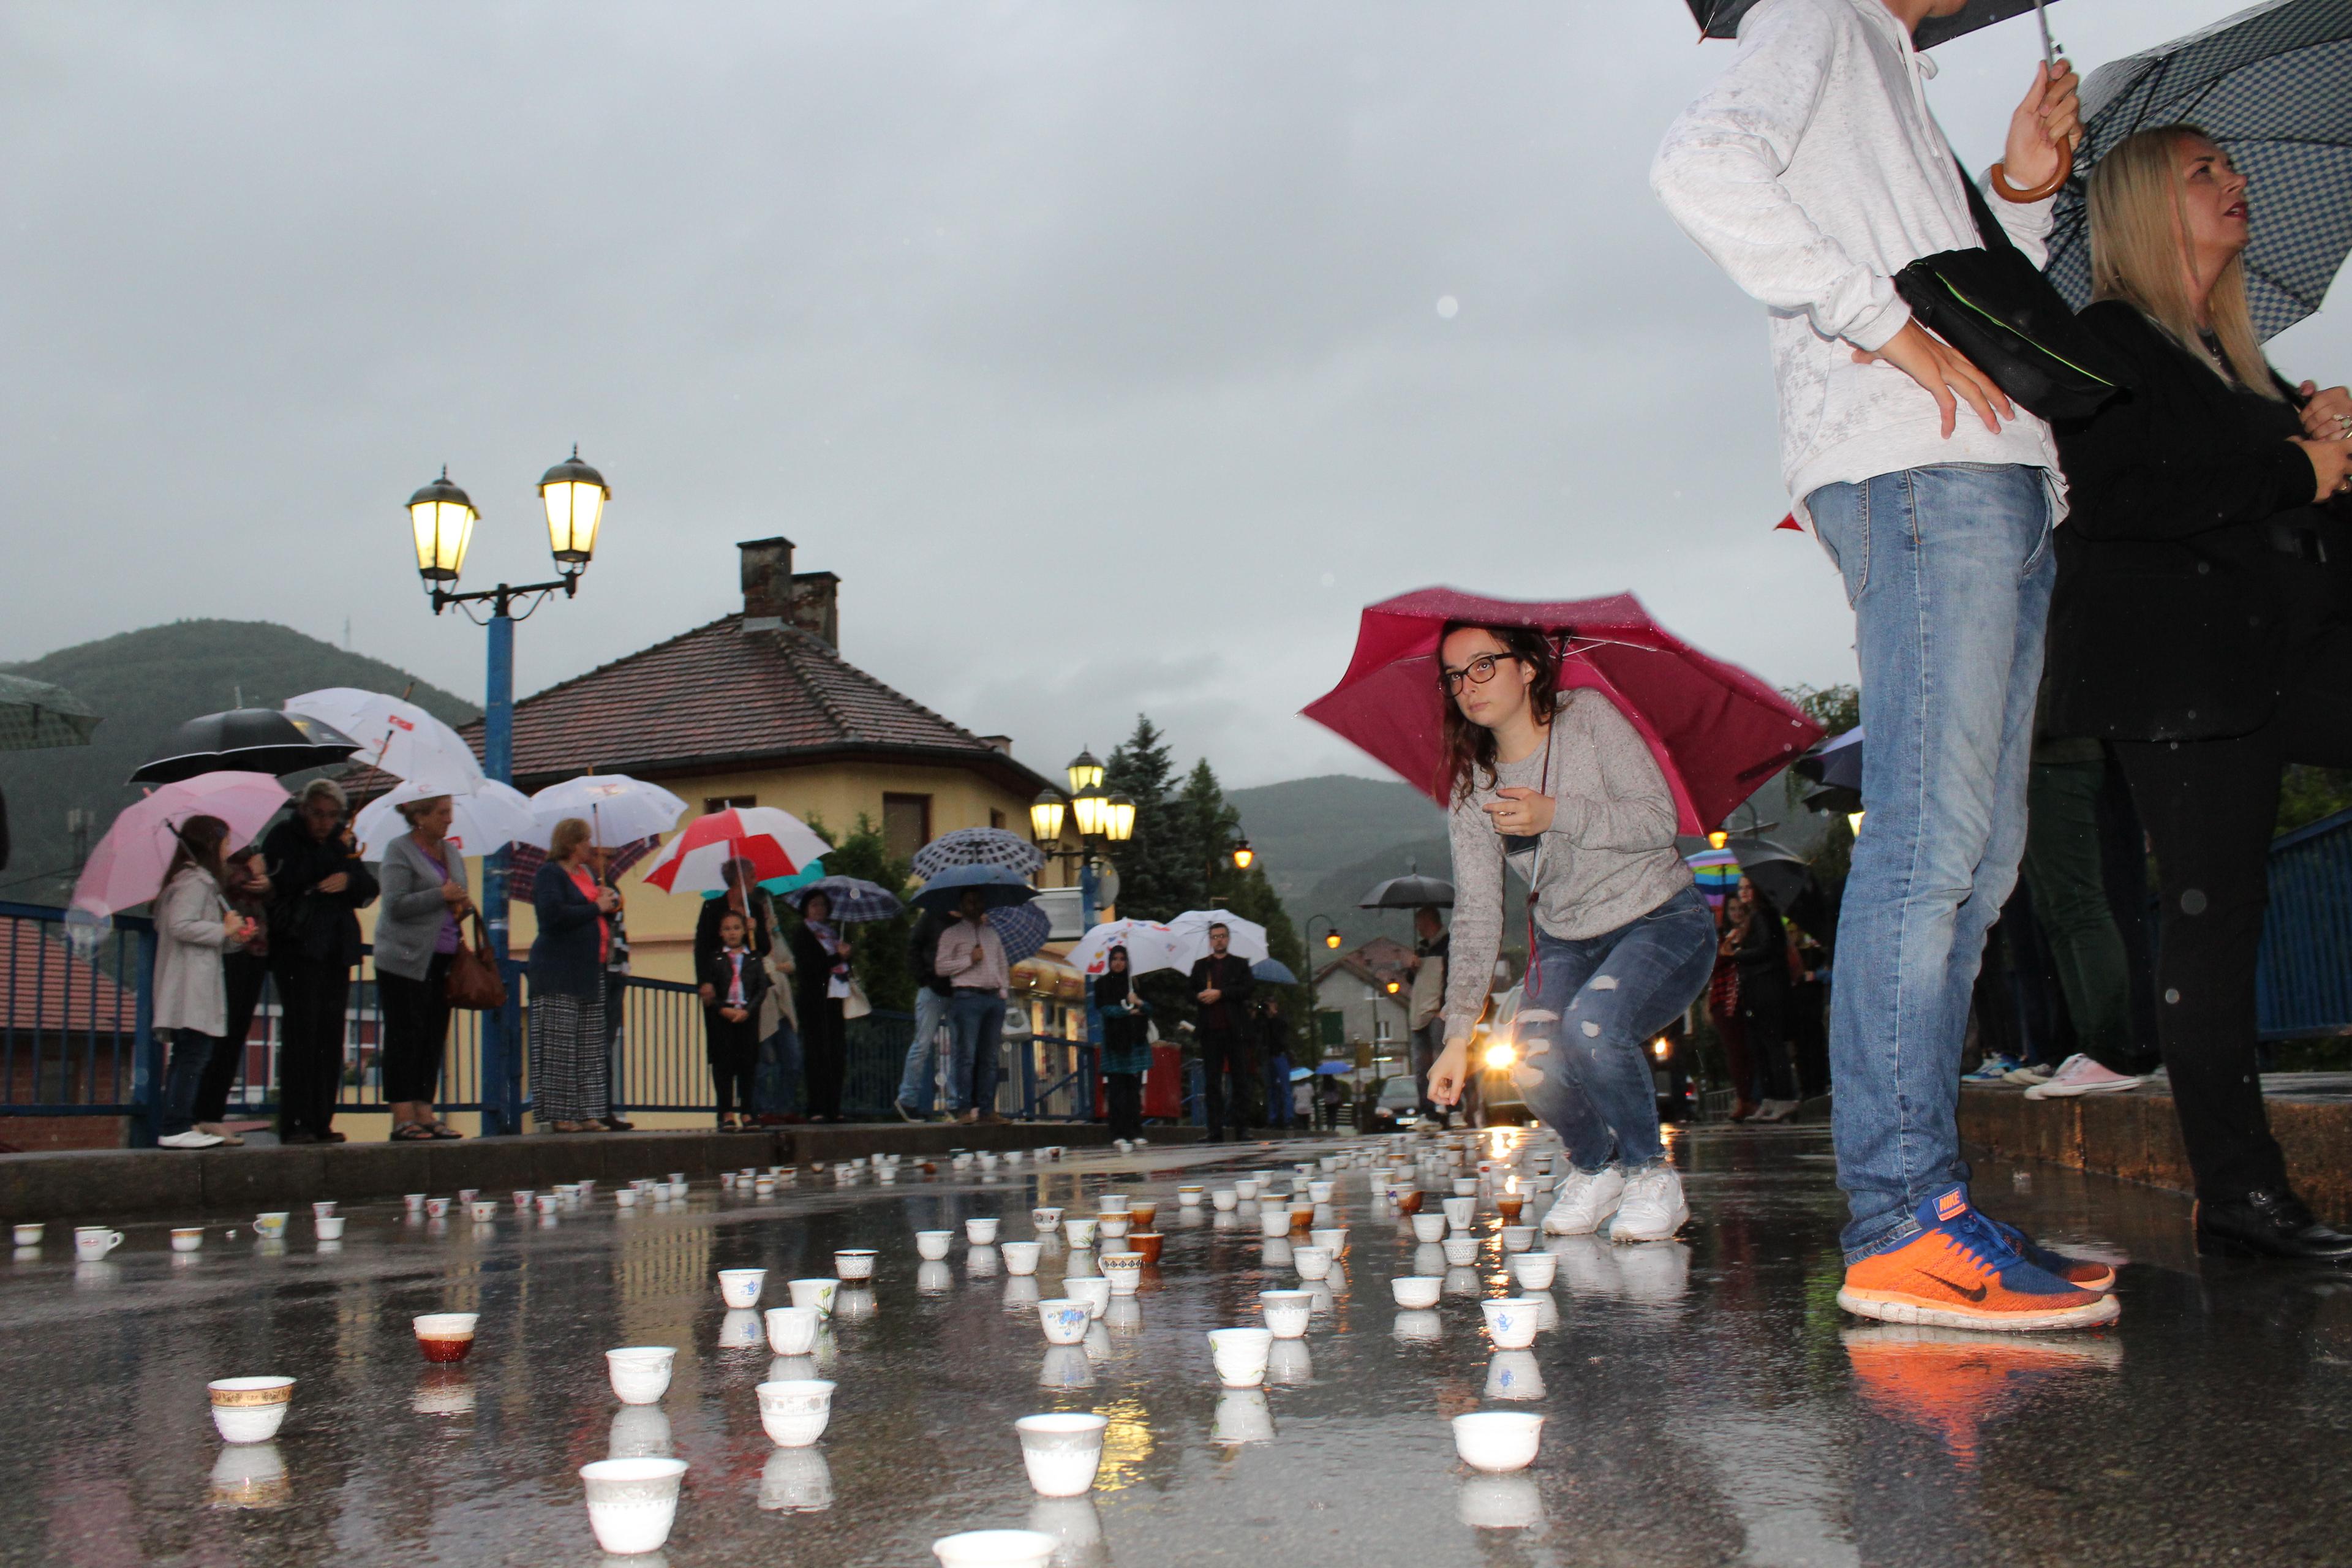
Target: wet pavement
x=1707, y=1401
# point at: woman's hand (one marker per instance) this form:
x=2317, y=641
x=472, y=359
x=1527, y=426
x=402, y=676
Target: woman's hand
x=1448, y=1072
x=334, y=884
x=232, y=926
x=607, y=900
x=2327, y=414
x=1521, y=812
x=2332, y=462
x=710, y=993
x=454, y=895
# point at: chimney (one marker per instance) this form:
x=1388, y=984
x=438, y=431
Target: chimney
x=767, y=583
x=998, y=744
x=816, y=606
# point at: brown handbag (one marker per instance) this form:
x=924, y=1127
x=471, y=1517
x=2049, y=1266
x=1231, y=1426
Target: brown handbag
x=474, y=979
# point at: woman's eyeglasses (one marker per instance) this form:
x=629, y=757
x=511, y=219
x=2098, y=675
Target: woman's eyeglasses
x=1479, y=672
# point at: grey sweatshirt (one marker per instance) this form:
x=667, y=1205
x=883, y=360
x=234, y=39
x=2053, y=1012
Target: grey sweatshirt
x=1608, y=859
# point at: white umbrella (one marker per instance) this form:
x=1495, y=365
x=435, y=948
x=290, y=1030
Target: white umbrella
x=621, y=809
x=396, y=737
x=1147, y=944
x=1189, y=936
x=482, y=821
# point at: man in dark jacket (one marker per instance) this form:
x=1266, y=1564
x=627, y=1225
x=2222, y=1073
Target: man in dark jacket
x=1221, y=988
x=318, y=885
x=932, y=993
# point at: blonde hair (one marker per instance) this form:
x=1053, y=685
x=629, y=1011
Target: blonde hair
x=2140, y=226
x=410, y=810
x=569, y=835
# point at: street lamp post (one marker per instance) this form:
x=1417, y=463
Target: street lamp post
x=442, y=518
x=1101, y=819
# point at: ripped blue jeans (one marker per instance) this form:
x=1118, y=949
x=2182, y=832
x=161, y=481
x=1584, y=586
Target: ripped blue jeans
x=1590, y=1008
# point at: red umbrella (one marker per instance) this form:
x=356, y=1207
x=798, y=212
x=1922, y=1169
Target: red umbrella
x=1716, y=730
x=777, y=843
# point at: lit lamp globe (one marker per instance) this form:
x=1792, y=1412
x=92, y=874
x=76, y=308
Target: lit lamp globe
x=1090, y=806
x=1084, y=773
x=443, y=519
x=1242, y=856
x=1045, y=817
x=1331, y=940
x=1118, y=819
x=574, y=495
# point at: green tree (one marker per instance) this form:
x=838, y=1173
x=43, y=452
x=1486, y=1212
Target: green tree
x=1152, y=883
x=879, y=947
x=1836, y=708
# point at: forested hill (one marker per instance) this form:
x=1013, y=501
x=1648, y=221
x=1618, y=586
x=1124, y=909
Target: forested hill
x=144, y=682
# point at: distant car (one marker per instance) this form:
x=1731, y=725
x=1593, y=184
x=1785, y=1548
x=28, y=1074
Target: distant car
x=1398, y=1108
x=1494, y=1052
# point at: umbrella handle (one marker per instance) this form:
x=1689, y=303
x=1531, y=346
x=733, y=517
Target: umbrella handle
x=2006, y=192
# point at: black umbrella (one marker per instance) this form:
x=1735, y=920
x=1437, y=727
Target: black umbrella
x=1410, y=891
x=1774, y=868
x=1836, y=761
x=1720, y=19
x=245, y=740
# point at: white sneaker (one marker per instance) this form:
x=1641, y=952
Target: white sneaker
x=1652, y=1208
x=191, y=1139
x=2077, y=1075
x=1584, y=1202
x=1776, y=1110
x=2029, y=1077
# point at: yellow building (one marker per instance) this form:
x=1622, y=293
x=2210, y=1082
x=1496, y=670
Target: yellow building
x=760, y=709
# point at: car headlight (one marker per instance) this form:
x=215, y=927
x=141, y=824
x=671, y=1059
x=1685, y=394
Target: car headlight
x=1500, y=1055
x=1660, y=1047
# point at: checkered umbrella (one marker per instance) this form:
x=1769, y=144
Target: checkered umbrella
x=2272, y=85
x=977, y=847
x=853, y=899
x=34, y=715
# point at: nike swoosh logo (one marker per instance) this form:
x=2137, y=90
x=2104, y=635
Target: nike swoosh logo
x=1972, y=1293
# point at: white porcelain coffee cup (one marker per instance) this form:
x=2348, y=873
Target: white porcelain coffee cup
x=932, y=1245
x=817, y=1294
x=1312, y=1262
x=632, y=1504
x=187, y=1238
x=270, y=1226
x=1241, y=1356
x=981, y=1231
x=1534, y=1272
x=1287, y=1311
x=1416, y=1292
x=1461, y=1251
x=92, y=1242
x=795, y=1414
x=1062, y=1452
x=1497, y=1441
x=1080, y=1233
x=1064, y=1319
x=250, y=1409
x=329, y=1229
x=854, y=1263
x=640, y=1373
x=1092, y=1289
x=1511, y=1321
x=792, y=1331
x=322, y=1209
x=740, y=1288
x=1021, y=1257
x=29, y=1235
x=1045, y=1221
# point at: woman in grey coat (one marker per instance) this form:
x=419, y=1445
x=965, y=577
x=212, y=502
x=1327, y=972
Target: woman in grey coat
x=417, y=936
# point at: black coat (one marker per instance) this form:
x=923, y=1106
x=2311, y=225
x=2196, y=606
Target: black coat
x=713, y=911
x=305, y=924
x=716, y=975
x=2178, y=613
x=812, y=978
x=923, y=953
x=1231, y=977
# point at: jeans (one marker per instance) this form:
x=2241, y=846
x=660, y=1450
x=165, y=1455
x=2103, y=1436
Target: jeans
x=1277, y=1090
x=1949, y=569
x=915, y=1082
x=977, y=1021
x=1428, y=1041
x=777, y=1079
x=1589, y=1010
x=2065, y=868
x=191, y=1053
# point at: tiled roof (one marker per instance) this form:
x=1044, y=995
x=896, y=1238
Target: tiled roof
x=1376, y=963
x=44, y=989
x=720, y=696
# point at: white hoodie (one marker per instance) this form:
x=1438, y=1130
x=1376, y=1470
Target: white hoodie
x=1812, y=172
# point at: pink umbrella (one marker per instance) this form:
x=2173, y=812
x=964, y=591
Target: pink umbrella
x=126, y=867
x=1716, y=730
x=777, y=843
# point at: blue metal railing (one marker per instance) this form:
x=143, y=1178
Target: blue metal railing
x=2304, y=983
x=76, y=1039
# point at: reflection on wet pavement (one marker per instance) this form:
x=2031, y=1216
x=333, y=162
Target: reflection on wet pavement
x=1705, y=1401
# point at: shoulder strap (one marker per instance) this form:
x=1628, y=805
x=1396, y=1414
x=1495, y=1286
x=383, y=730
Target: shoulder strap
x=1990, y=232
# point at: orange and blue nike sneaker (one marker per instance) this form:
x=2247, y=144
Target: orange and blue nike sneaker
x=1961, y=1272
x=2082, y=1273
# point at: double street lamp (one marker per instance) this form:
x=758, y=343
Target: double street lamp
x=442, y=518
x=1101, y=819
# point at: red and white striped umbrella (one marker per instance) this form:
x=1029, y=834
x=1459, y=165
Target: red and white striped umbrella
x=777, y=843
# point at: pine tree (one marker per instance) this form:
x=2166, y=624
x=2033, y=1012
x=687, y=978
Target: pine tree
x=1152, y=880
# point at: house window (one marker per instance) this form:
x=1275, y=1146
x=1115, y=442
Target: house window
x=712, y=805
x=906, y=824
x=996, y=817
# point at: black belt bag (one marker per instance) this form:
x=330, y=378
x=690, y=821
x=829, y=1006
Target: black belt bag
x=1995, y=306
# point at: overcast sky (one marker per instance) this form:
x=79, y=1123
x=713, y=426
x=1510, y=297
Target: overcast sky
x=1114, y=353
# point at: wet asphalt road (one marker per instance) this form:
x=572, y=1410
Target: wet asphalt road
x=1707, y=1401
